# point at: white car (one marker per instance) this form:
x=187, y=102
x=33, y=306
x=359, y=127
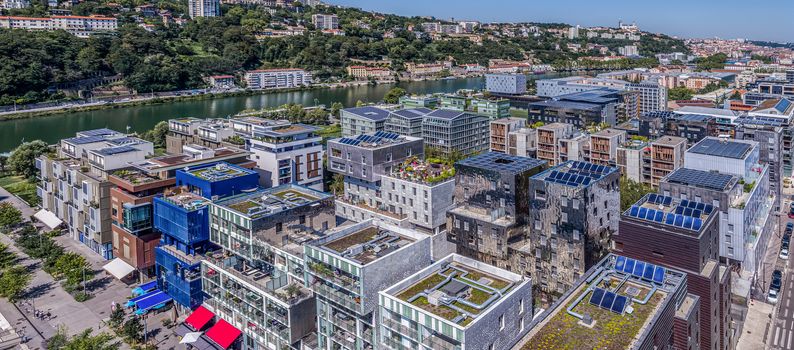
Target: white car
x=784, y=254
x=772, y=297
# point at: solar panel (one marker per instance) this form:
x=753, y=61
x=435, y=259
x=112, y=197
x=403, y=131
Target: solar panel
x=639, y=268
x=679, y=220
x=586, y=181
x=700, y=206
x=643, y=212
x=652, y=197
x=693, y=204
x=669, y=219
x=648, y=274
x=634, y=211
x=697, y=224
x=620, y=263
x=687, y=212
x=619, y=305
x=668, y=200
x=650, y=214
x=708, y=208
x=597, y=296
x=659, y=215
x=629, y=266
x=687, y=222
x=697, y=213
x=658, y=275
x=684, y=203
x=609, y=298
x=679, y=210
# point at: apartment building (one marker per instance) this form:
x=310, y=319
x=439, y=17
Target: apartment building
x=419, y=101
x=693, y=127
x=363, y=161
x=14, y=4
x=666, y=155
x=284, y=78
x=406, y=122
x=508, y=84
x=684, y=235
x=578, y=114
x=365, y=72
x=449, y=131
x=74, y=183
x=203, y=8
x=550, y=139
x=491, y=207
x=604, y=145
x=653, y=97
x=348, y=267
x=500, y=129
x=522, y=142
x=208, y=133
x=80, y=26
x=362, y=120
x=573, y=215
x=421, y=191
x=492, y=108
x=325, y=21
x=663, y=314
x=288, y=153
x=633, y=159
x=262, y=235
x=456, y=303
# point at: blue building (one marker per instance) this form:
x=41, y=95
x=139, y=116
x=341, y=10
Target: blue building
x=183, y=218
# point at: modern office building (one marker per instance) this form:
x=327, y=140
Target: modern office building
x=325, y=21
x=578, y=114
x=684, y=235
x=348, y=267
x=406, y=122
x=288, y=153
x=573, y=216
x=500, y=129
x=363, y=160
x=507, y=84
x=456, y=303
x=650, y=302
x=281, y=78
x=419, y=101
x=491, y=205
x=204, y=8
x=74, y=185
x=421, y=192
x=362, y=120
x=652, y=96
x=449, y=131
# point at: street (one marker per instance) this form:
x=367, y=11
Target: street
x=781, y=330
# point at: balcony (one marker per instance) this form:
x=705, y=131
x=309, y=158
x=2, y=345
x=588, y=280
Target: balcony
x=436, y=343
x=337, y=297
x=401, y=328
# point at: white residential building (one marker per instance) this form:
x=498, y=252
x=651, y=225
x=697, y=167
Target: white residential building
x=420, y=190
x=288, y=153
x=204, y=8
x=81, y=26
x=277, y=78
x=325, y=22
x=14, y=4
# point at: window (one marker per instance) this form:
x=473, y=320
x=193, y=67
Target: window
x=279, y=227
x=520, y=306
x=564, y=218
x=349, y=157
x=576, y=235
x=501, y=323
x=363, y=159
x=465, y=226
x=425, y=193
x=730, y=227
x=427, y=219
x=302, y=219
x=414, y=188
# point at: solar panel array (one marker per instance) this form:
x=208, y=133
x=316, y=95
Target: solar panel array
x=707, y=179
x=783, y=105
x=686, y=215
x=640, y=269
x=377, y=137
x=495, y=161
x=609, y=300
x=580, y=173
x=721, y=148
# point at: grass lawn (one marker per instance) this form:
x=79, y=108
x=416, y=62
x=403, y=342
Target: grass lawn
x=330, y=132
x=429, y=282
x=519, y=113
x=21, y=187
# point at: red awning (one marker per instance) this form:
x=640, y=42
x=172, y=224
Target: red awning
x=199, y=318
x=223, y=334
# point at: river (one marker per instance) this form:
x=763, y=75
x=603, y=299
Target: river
x=141, y=118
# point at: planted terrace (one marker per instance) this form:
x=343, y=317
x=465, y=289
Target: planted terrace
x=456, y=292
x=268, y=202
x=429, y=172
x=368, y=244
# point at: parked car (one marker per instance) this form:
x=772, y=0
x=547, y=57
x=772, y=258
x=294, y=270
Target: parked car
x=786, y=239
x=791, y=211
x=784, y=251
x=774, y=286
x=772, y=296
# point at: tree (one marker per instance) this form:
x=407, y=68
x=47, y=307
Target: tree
x=14, y=281
x=9, y=215
x=360, y=103
x=23, y=159
x=679, y=93
x=157, y=134
x=393, y=96
x=7, y=257
x=82, y=341
x=74, y=268
x=116, y=317
x=133, y=330
x=631, y=192
x=3, y=163
x=335, y=108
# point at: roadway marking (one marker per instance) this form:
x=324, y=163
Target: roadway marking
x=777, y=335
x=790, y=335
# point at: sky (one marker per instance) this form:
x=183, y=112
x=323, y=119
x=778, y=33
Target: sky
x=771, y=20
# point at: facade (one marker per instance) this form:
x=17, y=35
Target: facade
x=456, y=303
x=419, y=101
x=683, y=235
x=449, y=131
x=348, y=267
x=604, y=146
x=652, y=96
x=491, y=108
x=74, y=183
x=222, y=81
x=634, y=161
x=362, y=120
x=491, y=207
x=507, y=84
x=323, y=21
x=262, y=234
x=500, y=129
x=80, y=26
x=550, y=139
x=663, y=318
x=406, y=122
x=573, y=216
x=288, y=153
x=277, y=78
x=14, y=4
x=421, y=191
x=363, y=161
x=581, y=109
x=364, y=72
x=693, y=127
x=666, y=155
x=204, y=8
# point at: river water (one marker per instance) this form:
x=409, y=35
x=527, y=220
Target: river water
x=141, y=118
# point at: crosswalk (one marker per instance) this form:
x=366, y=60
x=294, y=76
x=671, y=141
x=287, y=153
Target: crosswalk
x=782, y=338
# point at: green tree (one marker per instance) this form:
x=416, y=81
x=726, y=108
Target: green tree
x=335, y=108
x=74, y=268
x=9, y=215
x=14, y=281
x=82, y=341
x=7, y=257
x=631, y=192
x=116, y=317
x=3, y=163
x=393, y=96
x=133, y=330
x=23, y=159
x=679, y=93
x=360, y=103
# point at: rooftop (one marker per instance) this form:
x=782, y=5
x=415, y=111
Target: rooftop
x=368, y=243
x=178, y=161
x=267, y=202
x=413, y=113
x=422, y=171
x=725, y=148
x=575, y=173
x=494, y=161
x=621, y=298
x=599, y=96
x=609, y=132
x=374, y=140
x=368, y=112
x=111, y=151
x=761, y=121
x=669, y=141
x=97, y=132
x=446, y=114
x=287, y=130
x=567, y=104
x=186, y=200
x=664, y=210
x=707, y=111
x=704, y=179
x=219, y=172
x=697, y=118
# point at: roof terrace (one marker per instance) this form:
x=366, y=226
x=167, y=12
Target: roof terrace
x=722, y=148
x=219, y=172
x=612, y=309
x=495, y=161
x=368, y=243
x=172, y=162
x=423, y=171
x=267, y=202
x=186, y=200
x=456, y=291
x=375, y=140
x=658, y=209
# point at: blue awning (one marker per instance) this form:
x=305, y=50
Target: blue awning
x=144, y=288
x=155, y=301
x=134, y=300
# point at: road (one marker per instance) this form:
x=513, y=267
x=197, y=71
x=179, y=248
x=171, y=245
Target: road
x=781, y=332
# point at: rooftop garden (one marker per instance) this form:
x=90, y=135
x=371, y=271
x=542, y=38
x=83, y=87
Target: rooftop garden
x=235, y=140
x=290, y=194
x=243, y=206
x=134, y=177
x=363, y=236
x=430, y=171
x=610, y=331
x=215, y=173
